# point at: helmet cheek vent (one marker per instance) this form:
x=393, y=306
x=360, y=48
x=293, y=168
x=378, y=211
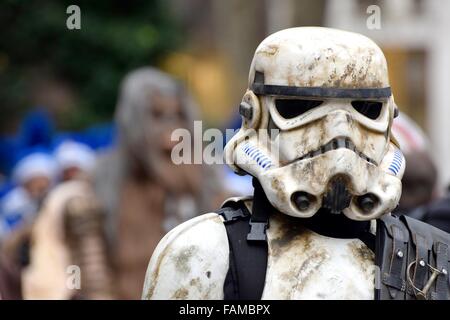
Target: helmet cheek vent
x=367, y=202
x=303, y=200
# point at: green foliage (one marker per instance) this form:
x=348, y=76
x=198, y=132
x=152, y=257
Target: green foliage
x=115, y=37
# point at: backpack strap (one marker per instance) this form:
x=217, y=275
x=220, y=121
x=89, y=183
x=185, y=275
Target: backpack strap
x=391, y=255
x=247, y=241
x=413, y=258
x=259, y=220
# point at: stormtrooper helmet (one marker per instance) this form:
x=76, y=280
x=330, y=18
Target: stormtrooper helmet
x=316, y=125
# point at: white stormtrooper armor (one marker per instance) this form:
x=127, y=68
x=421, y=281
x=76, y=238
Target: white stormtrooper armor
x=191, y=262
x=316, y=137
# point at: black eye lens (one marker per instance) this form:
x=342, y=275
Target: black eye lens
x=371, y=109
x=291, y=108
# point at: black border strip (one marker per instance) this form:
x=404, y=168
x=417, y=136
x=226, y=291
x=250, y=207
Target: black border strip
x=360, y=93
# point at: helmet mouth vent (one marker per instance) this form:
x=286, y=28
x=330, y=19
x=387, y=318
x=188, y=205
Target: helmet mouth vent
x=338, y=196
x=334, y=144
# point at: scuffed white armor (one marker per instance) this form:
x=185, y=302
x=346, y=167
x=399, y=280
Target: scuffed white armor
x=191, y=262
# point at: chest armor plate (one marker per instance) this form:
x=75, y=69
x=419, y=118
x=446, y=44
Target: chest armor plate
x=305, y=265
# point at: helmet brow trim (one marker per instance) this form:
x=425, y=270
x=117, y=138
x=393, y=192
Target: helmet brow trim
x=321, y=92
x=258, y=87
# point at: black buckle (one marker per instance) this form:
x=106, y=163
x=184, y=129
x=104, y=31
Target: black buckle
x=257, y=231
x=230, y=214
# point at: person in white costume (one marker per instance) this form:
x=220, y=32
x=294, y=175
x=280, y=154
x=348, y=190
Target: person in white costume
x=316, y=138
x=75, y=160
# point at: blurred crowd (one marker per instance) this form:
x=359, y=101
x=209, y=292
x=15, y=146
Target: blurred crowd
x=99, y=200
x=421, y=196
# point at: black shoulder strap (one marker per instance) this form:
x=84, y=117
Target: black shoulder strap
x=247, y=240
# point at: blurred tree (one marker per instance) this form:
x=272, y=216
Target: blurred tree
x=40, y=57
